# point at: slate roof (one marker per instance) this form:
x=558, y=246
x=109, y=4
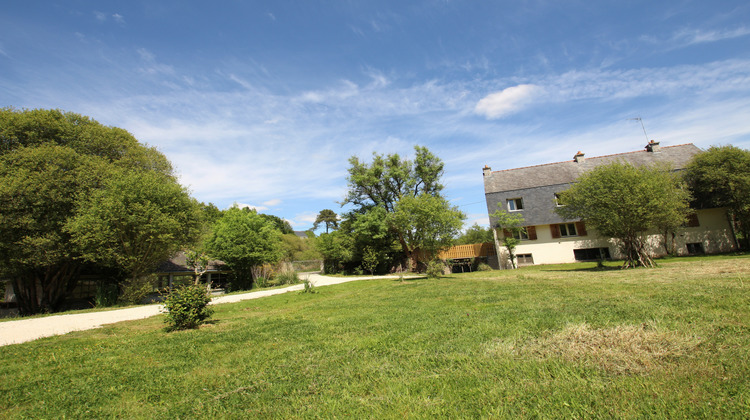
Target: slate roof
x=677, y=157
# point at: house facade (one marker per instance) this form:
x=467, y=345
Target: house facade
x=549, y=239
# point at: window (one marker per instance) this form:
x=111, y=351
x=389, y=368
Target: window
x=524, y=259
x=591, y=254
x=515, y=204
x=522, y=234
x=568, y=229
x=558, y=203
x=695, y=248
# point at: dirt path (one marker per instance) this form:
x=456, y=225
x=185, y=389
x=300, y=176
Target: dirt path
x=14, y=332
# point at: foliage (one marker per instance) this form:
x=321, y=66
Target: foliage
x=282, y=225
x=135, y=290
x=335, y=248
x=370, y=259
x=379, y=189
x=187, y=307
x=198, y=261
x=512, y=226
x=483, y=267
x=329, y=217
x=426, y=223
x=287, y=277
x=295, y=248
x=720, y=177
x=624, y=202
x=475, y=235
x=106, y=294
x=135, y=221
x=309, y=287
x=435, y=269
x=244, y=239
x=51, y=163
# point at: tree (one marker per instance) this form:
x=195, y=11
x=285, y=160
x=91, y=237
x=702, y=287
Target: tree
x=136, y=220
x=624, y=202
x=475, y=235
x=50, y=162
x=243, y=240
x=335, y=248
x=720, y=177
x=512, y=226
x=282, y=225
x=329, y=217
x=388, y=180
x=426, y=223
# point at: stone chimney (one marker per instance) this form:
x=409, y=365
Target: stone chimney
x=486, y=170
x=579, y=157
x=653, y=146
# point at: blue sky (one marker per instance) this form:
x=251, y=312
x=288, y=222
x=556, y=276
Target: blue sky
x=261, y=103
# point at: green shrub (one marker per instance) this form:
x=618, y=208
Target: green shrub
x=287, y=277
x=106, y=295
x=309, y=287
x=135, y=290
x=435, y=269
x=187, y=307
x=483, y=267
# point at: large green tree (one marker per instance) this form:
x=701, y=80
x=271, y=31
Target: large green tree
x=51, y=162
x=475, y=235
x=626, y=202
x=136, y=220
x=720, y=177
x=243, y=240
x=385, y=182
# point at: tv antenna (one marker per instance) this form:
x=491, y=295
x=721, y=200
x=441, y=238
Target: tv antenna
x=639, y=119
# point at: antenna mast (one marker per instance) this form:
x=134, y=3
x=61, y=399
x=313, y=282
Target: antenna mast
x=639, y=119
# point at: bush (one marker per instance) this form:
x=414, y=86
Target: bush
x=187, y=307
x=435, y=269
x=309, y=287
x=483, y=267
x=287, y=277
x=135, y=290
x=106, y=295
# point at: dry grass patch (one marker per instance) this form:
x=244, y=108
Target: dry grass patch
x=624, y=349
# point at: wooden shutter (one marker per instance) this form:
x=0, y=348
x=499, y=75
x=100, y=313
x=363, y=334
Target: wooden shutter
x=692, y=220
x=581, y=228
x=506, y=233
x=531, y=231
x=555, y=230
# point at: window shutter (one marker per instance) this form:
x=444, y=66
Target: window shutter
x=581, y=228
x=555, y=230
x=692, y=220
x=531, y=231
x=506, y=233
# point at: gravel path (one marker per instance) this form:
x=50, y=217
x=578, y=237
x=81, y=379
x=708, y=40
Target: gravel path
x=13, y=332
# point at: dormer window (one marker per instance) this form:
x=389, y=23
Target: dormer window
x=515, y=204
x=558, y=203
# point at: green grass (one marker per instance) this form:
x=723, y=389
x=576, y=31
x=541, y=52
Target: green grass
x=566, y=341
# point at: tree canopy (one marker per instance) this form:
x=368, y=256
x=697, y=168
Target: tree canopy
x=243, y=240
x=624, y=202
x=51, y=164
x=720, y=177
x=393, y=197
x=475, y=235
x=329, y=217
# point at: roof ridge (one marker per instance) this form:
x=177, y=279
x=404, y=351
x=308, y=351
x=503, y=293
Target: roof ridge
x=594, y=157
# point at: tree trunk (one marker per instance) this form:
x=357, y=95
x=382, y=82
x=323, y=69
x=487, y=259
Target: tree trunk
x=45, y=290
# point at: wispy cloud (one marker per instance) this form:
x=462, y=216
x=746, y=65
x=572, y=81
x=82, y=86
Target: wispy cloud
x=507, y=101
x=695, y=36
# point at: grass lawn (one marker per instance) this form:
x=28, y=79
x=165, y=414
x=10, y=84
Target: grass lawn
x=552, y=341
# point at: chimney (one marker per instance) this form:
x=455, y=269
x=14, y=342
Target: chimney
x=579, y=157
x=653, y=146
x=486, y=170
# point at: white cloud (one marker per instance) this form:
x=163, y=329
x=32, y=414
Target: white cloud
x=272, y=203
x=118, y=18
x=507, y=101
x=693, y=36
x=249, y=206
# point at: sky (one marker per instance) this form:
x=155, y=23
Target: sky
x=262, y=103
